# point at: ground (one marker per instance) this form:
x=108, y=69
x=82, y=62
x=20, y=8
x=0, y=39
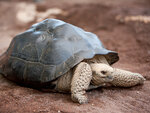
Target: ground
x=131, y=39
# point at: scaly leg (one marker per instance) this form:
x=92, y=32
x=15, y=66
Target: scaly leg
x=80, y=82
x=124, y=78
x=63, y=84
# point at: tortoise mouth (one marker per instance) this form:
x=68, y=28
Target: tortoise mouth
x=109, y=78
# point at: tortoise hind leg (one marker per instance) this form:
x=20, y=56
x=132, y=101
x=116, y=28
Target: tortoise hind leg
x=80, y=82
x=63, y=83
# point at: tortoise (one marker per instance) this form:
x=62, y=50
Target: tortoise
x=61, y=57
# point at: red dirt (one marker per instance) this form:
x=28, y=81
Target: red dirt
x=130, y=39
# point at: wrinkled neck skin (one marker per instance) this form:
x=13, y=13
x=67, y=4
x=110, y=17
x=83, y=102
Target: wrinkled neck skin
x=96, y=81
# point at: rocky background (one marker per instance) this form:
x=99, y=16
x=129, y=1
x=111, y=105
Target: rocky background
x=122, y=25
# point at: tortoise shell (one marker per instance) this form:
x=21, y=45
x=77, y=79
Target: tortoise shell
x=48, y=50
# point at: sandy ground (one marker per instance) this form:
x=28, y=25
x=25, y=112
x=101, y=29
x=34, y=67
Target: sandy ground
x=131, y=39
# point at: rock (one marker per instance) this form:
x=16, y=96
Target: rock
x=26, y=13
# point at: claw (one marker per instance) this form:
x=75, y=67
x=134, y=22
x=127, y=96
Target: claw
x=85, y=101
x=142, y=79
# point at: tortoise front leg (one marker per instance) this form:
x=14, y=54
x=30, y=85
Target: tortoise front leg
x=80, y=82
x=124, y=78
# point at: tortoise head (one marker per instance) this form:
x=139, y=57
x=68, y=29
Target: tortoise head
x=102, y=73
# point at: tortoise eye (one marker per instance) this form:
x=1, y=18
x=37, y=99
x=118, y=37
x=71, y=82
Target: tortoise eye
x=103, y=72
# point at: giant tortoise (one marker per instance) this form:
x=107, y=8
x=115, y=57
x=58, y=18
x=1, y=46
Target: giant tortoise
x=56, y=55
